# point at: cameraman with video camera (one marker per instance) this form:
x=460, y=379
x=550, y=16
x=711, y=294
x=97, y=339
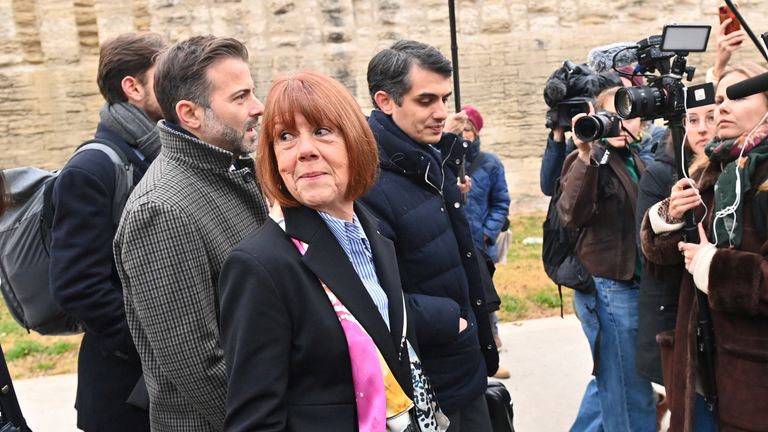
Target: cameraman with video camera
x=599, y=195
x=567, y=92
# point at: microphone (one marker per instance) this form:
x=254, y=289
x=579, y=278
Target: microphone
x=600, y=59
x=748, y=87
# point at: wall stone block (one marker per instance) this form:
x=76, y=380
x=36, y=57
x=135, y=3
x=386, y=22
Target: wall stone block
x=49, y=101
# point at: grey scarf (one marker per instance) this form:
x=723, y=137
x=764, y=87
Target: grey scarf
x=134, y=126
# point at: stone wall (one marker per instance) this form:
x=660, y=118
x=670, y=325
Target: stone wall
x=508, y=48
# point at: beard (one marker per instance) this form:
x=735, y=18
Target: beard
x=229, y=138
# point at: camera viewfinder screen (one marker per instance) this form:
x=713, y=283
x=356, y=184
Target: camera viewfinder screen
x=688, y=38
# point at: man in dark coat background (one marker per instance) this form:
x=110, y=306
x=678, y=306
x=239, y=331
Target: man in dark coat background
x=418, y=203
x=83, y=276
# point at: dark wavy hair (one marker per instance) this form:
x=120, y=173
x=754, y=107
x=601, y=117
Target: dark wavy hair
x=130, y=54
x=389, y=70
x=182, y=71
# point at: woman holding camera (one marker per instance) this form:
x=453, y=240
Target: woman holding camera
x=727, y=193
x=660, y=287
x=599, y=196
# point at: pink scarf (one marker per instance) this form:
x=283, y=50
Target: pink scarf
x=367, y=377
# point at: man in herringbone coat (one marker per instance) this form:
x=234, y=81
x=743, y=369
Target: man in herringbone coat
x=197, y=200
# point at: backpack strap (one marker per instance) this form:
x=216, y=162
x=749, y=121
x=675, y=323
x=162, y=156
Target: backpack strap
x=124, y=173
x=46, y=213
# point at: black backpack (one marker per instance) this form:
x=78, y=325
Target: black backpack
x=558, y=252
x=25, y=238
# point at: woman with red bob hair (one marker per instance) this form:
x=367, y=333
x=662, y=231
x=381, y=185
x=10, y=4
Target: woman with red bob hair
x=313, y=321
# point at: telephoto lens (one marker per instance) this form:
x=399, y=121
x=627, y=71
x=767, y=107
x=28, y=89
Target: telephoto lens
x=596, y=126
x=641, y=101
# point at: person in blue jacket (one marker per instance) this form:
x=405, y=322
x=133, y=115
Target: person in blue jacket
x=487, y=209
x=418, y=203
x=487, y=206
x=83, y=277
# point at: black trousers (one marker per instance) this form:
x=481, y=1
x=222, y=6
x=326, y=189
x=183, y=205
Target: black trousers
x=473, y=417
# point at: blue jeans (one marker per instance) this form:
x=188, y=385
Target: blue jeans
x=703, y=419
x=589, y=418
x=617, y=399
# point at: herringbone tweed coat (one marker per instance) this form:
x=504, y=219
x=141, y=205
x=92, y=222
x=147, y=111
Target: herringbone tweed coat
x=193, y=205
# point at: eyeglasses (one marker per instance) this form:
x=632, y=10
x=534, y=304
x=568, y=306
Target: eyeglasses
x=695, y=121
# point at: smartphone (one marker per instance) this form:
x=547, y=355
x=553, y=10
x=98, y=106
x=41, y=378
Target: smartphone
x=725, y=12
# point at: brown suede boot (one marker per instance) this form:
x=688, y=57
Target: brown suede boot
x=501, y=373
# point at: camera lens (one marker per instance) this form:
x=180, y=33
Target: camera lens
x=587, y=128
x=623, y=103
x=642, y=101
x=590, y=128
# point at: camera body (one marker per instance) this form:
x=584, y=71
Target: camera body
x=665, y=94
x=563, y=113
x=662, y=98
x=650, y=57
x=568, y=91
x=596, y=126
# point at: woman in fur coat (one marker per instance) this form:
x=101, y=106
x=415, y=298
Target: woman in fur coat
x=727, y=192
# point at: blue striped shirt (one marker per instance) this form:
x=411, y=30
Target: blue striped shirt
x=352, y=239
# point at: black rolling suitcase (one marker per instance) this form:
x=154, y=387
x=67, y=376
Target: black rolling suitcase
x=11, y=419
x=499, y=407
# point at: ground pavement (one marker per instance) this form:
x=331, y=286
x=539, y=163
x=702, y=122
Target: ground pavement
x=548, y=359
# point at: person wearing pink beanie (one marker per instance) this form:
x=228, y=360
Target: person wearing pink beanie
x=487, y=208
x=474, y=117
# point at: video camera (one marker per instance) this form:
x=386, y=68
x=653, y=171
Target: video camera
x=665, y=96
x=566, y=110
x=569, y=90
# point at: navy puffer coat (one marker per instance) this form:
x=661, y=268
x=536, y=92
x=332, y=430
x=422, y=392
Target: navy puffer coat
x=419, y=207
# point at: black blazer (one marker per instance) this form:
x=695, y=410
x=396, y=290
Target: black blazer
x=288, y=365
